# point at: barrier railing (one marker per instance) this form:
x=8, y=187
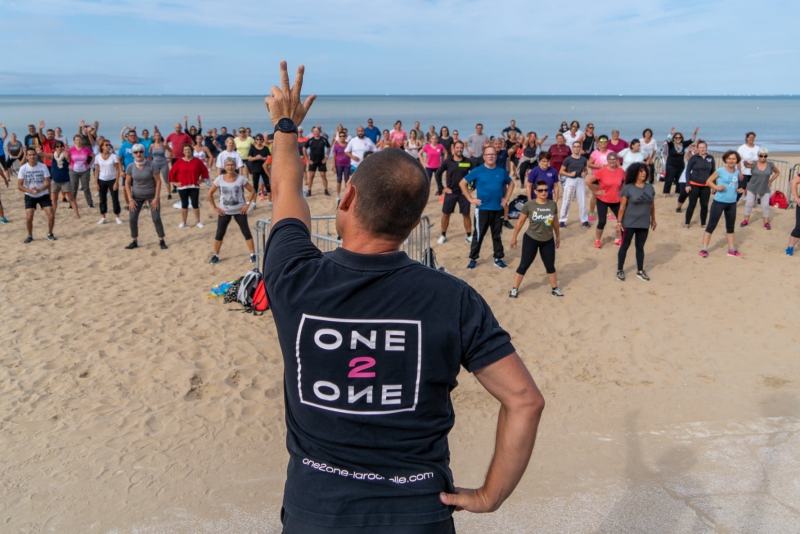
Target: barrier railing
x=324, y=236
x=789, y=195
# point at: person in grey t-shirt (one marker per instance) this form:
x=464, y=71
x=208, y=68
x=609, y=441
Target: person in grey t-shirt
x=476, y=141
x=637, y=215
x=143, y=185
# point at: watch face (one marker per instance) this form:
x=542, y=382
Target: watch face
x=285, y=125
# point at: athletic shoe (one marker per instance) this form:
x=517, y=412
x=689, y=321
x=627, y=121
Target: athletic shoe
x=327, y=194
x=261, y=196
x=51, y=237
x=70, y=206
x=611, y=217
x=28, y=239
x=308, y=193
x=64, y=199
x=182, y=225
x=744, y=223
x=678, y=209
x=214, y=259
x=591, y=217
x=102, y=221
x=174, y=189
x=3, y=220
x=132, y=246
x=163, y=245
x=119, y=221
x=618, y=242
x=790, y=251
x=556, y=292
x=767, y=226
x=642, y=276
x=338, y=199
x=169, y=197
x=472, y=263
x=562, y=225
x=621, y=276
x=703, y=253
x=442, y=240
x=597, y=243
x=500, y=263
x=734, y=254
x=252, y=207
x=468, y=239
x=508, y=225
x=513, y=293
x=252, y=258
x=199, y=224
x=587, y=225
x=685, y=226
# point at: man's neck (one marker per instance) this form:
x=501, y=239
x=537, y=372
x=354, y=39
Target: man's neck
x=492, y=166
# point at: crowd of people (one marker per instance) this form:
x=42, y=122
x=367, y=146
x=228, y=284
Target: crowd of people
x=479, y=170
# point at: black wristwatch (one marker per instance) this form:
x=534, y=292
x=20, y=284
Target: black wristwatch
x=286, y=125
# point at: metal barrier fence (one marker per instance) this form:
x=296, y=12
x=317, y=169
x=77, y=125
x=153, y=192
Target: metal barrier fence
x=324, y=236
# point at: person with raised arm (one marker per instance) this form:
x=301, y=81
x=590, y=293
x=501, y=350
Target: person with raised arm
x=367, y=419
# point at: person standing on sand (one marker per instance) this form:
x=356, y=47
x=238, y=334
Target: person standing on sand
x=637, y=215
x=351, y=438
x=615, y=144
x=106, y=173
x=316, y=153
x=794, y=237
x=724, y=182
x=143, y=185
x=573, y=169
x=371, y=132
x=762, y=174
x=186, y=175
x=457, y=167
x=233, y=205
x=749, y=154
x=33, y=179
x=676, y=145
x=606, y=184
x=545, y=173
x=476, y=142
x=159, y=156
x=398, y=135
x=257, y=159
x=698, y=169
x=542, y=235
x=431, y=157
x=649, y=149
x=243, y=143
x=3, y=219
x=494, y=188
x=559, y=151
x=59, y=179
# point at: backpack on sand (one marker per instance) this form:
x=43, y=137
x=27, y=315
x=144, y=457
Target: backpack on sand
x=247, y=288
x=778, y=200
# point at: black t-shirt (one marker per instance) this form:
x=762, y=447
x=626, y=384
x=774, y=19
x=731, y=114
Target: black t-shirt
x=456, y=170
x=257, y=166
x=446, y=143
x=379, y=343
x=510, y=129
x=317, y=149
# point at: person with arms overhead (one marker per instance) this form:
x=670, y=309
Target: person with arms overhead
x=367, y=419
x=676, y=147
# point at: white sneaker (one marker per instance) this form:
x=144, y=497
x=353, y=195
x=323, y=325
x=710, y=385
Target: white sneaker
x=102, y=221
x=441, y=240
x=468, y=239
x=119, y=221
x=182, y=225
x=252, y=206
x=338, y=200
x=199, y=224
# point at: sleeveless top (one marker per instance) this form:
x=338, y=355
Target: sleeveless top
x=588, y=144
x=159, y=155
x=413, y=151
x=200, y=155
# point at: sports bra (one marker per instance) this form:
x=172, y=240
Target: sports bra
x=200, y=155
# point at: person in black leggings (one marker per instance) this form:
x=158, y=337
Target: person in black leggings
x=725, y=182
x=698, y=169
x=795, y=236
x=542, y=235
x=292, y=525
x=233, y=205
x=637, y=215
x=675, y=162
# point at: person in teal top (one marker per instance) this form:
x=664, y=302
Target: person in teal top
x=725, y=184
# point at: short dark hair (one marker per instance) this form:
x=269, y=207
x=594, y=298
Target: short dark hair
x=30, y=149
x=748, y=134
x=479, y=124
x=603, y=137
x=730, y=153
x=644, y=133
x=701, y=142
x=542, y=182
x=545, y=155
x=392, y=190
x=635, y=142
x=633, y=172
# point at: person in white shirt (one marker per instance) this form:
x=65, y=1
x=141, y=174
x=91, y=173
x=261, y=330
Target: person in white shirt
x=648, y=149
x=749, y=153
x=33, y=179
x=229, y=152
x=358, y=147
x=107, y=175
x=574, y=133
x=632, y=154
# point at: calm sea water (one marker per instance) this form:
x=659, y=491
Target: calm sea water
x=723, y=121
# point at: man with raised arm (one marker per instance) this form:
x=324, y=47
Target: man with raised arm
x=380, y=349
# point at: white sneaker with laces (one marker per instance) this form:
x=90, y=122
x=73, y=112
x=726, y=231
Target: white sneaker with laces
x=182, y=225
x=102, y=221
x=441, y=240
x=199, y=224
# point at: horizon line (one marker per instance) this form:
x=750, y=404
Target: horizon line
x=410, y=95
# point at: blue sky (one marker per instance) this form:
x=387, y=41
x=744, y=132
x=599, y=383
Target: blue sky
x=646, y=47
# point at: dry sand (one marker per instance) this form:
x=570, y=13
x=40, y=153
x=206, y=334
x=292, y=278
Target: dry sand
x=131, y=403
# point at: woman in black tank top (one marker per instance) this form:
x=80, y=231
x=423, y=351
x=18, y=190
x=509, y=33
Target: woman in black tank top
x=588, y=141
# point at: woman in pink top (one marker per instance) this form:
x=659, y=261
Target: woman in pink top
x=431, y=157
x=606, y=183
x=398, y=135
x=80, y=163
x=342, y=161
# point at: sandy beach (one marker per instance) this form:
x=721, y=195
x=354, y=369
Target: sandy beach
x=131, y=403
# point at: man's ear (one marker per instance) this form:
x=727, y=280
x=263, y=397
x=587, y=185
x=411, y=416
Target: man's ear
x=348, y=198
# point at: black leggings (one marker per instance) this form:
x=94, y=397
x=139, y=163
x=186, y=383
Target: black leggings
x=224, y=221
x=107, y=188
x=530, y=247
x=717, y=209
x=703, y=193
x=292, y=525
x=627, y=236
x=260, y=175
x=796, y=231
x=682, y=194
x=193, y=194
x=672, y=176
x=602, y=212
x=652, y=168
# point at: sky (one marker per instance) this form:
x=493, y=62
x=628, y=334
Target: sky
x=430, y=47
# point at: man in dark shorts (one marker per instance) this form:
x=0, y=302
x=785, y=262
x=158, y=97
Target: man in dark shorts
x=33, y=179
x=380, y=346
x=316, y=153
x=456, y=167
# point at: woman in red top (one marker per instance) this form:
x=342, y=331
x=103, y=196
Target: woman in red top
x=606, y=183
x=186, y=174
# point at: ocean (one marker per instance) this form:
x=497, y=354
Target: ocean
x=723, y=121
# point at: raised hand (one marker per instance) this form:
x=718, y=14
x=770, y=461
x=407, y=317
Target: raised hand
x=284, y=101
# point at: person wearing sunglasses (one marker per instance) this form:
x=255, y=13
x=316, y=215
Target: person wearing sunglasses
x=762, y=174
x=606, y=184
x=637, y=215
x=143, y=184
x=106, y=172
x=233, y=205
x=676, y=147
x=543, y=235
x=589, y=141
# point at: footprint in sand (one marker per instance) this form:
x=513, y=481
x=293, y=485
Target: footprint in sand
x=196, y=390
x=234, y=379
x=273, y=392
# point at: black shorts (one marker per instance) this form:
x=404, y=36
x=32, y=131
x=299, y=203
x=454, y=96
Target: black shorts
x=321, y=167
x=450, y=201
x=3, y=163
x=31, y=202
